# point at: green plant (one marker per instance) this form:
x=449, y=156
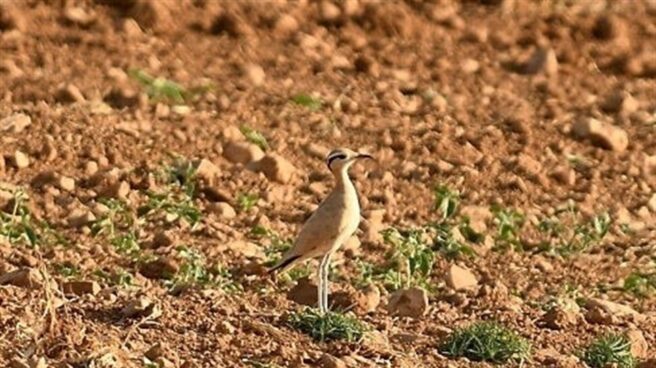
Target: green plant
x=116, y=216
x=446, y=201
x=640, y=284
x=194, y=272
x=328, y=326
x=67, y=270
x=308, y=101
x=160, y=89
x=609, y=349
x=246, y=201
x=254, y=137
x=452, y=248
x=126, y=243
x=487, y=341
x=182, y=173
x=276, y=244
x=18, y=227
x=509, y=223
x=178, y=204
x=412, y=257
x=566, y=240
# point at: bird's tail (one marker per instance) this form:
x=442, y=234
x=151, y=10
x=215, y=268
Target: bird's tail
x=283, y=264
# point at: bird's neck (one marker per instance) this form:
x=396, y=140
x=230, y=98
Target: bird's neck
x=342, y=178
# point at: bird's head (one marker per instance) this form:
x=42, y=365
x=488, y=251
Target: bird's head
x=342, y=158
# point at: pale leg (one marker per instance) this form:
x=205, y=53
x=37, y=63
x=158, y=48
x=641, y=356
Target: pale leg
x=320, y=287
x=325, y=264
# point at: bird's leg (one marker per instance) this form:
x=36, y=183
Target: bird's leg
x=320, y=288
x=325, y=263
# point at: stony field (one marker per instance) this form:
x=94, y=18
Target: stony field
x=156, y=156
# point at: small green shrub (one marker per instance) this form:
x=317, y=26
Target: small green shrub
x=609, y=349
x=487, y=341
x=412, y=259
x=446, y=201
x=308, y=101
x=640, y=284
x=254, y=137
x=328, y=326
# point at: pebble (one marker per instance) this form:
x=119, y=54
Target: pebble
x=255, y=74
x=224, y=210
x=119, y=190
x=606, y=312
x=285, y=26
x=411, y=302
x=564, y=174
x=80, y=287
x=15, y=123
x=247, y=249
x=544, y=61
x=160, y=268
x=69, y=93
x=242, y=152
x=207, y=170
x=65, y=183
x=79, y=16
x=460, y=278
x=137, y=307
x=639, y=345
x=620, y=102
x=19, y=160
x=469, y=66
x=80, y=217
x=275, y=168
x=24, y=277
x=602, y=134
x=562, y=316
x=329, y=12
x=330, y=361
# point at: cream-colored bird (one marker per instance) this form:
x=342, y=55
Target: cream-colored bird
x=336, y=219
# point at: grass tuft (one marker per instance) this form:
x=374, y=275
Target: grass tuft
x=412, y=259
x=329, y=326
x=254, y=137
x=487, y=341
x=159, y=89
x=640, y=284
x=446, y=201
x=609, y=349
x=246, y=201
x=308, y=101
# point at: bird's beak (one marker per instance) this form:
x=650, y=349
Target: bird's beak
x=364, y=155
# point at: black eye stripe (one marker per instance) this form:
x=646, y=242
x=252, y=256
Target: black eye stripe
x=334, y=157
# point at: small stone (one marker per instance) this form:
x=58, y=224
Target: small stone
x=69, y=93
x=247, y=249
x=81, y=287
x=207, y=170
x=276, y=168
x=478, y=217
x=529, y=166
x=639, y=345
x=223, y=210
x=564, y=174
x=119, y=190
x=160, y=268
x=543, y=265
x=255, y=74
x=606, y=312
x=15, y=123
x=460, y=278
x=562, y=316
x=181, y=110
x=329, y=12
x=542, y=61
x=162, y=239
x=23, y=277
x=411, y=302
x=65, y=183
x=242, y=152
x=602, y=134
x=652, y=203
x=620, y=102
x=90, y=168
x=608, y=27
x=330, y=361
x=369, y=298
x=19, y=160
x=80, y=217
x=469, y=66
x=137, y=307
x=79, y=16
x=285, y=26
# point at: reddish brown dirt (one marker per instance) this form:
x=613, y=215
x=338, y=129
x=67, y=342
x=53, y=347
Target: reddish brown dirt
x=440, y=92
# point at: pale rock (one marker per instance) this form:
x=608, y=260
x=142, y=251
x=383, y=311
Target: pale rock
x=275, y=168
x=544, y=61
x=19, y=160
x=329, y=12
x=460, y=278
x=639, y=345
x=285, y=26
x=119, y=190
x=80, y=287
x=207, y=170
x=620, y=102
x=65, y=183
x=411, y=302
x=247, y=249
x=652, y=203
x=607, y=312
x=478, y=217
x=469, y=66
x=242, y=152
x=80, y=217
x=255, y=74
x=564, y=174
x=15, y=123
x=562, y=316
x=137, y=307
x=223, y=210
x=68, y=93
x=79, y=16
x=369, y=298
x=602, y=134
x=330, y=361
x=160, y=268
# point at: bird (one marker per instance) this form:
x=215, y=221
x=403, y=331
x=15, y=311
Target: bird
x=333, y=222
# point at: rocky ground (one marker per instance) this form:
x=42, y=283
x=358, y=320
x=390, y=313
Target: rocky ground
x=155, y=156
